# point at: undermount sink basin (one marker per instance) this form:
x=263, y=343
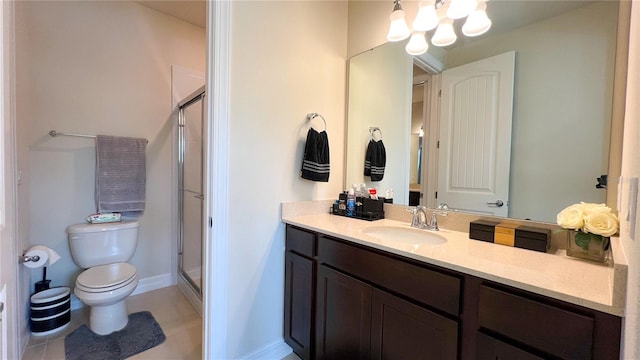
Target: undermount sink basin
x=405, y=235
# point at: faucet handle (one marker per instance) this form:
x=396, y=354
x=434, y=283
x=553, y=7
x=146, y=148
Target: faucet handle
x=415, y=209
x=442, y=210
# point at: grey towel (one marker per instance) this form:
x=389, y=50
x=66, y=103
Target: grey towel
x=121, y=174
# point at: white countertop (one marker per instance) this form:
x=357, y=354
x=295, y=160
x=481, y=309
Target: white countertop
x=596, y=286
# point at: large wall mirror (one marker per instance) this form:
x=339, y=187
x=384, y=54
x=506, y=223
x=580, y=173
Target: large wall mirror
x=562, y=104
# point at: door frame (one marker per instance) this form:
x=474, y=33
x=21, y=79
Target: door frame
x=8, y=190
x=217, y=147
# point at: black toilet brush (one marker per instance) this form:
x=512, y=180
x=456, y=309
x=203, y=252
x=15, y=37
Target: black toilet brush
x=44, y=283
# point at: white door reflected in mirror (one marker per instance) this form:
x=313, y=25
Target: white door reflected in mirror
x=475, y=135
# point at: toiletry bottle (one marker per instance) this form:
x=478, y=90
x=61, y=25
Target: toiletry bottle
x=363, y=190
x=351, y=203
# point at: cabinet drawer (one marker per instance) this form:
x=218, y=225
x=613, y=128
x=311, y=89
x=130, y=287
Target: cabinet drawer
x=488, y=347
x=551, y=329
x=300, y=241
x=430, y=287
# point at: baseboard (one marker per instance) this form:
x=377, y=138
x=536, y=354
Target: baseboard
x=144, y=285
x=153, y=283
x=274, y=351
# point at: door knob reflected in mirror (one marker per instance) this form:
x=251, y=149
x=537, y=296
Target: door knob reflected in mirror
x=498, y=203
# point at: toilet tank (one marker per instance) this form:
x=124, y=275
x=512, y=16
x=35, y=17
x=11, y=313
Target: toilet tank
x=101, y=244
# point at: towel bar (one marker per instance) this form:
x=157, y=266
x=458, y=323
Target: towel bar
x=54, y=133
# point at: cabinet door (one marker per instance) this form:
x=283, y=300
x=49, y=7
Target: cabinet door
x=553, y=330
x=298, y=304
x=489, y=348
x=343, y=319
x=402, y=330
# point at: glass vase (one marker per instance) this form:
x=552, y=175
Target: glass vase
x=587, y=246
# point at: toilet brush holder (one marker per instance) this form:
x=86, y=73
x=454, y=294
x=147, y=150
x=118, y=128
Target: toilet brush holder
x=44, y=283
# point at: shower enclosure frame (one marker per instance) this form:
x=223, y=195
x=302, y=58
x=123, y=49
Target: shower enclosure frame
x=196, y=96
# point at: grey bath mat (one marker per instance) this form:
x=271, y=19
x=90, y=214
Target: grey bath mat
x=141, y=333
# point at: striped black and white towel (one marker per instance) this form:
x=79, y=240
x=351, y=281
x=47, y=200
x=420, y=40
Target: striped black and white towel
x=315, y=163
x=375, y=160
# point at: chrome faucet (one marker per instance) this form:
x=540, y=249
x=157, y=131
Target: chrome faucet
x=442, y=210
x=419, y=217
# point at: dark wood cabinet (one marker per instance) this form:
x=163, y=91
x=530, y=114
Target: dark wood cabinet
x=558, y=332
x=298, y=315
x=343, y=320
x=344, y=300
x=490, y=348
x=299, y=294
x=358, y=321
x=403, y=330
x=550, y=328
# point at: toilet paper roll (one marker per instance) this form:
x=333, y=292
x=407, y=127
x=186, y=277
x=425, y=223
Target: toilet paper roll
x=47, y=256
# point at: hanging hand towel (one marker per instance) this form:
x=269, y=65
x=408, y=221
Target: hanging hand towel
x=120, y=174
x=375, y=160
x=315, y=163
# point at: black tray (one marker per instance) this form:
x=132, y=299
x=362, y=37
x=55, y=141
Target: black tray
x=362, y=215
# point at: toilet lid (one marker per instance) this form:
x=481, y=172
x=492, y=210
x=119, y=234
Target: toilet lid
x=104, y=276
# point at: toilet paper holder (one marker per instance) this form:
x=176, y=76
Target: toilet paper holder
x=26, y=258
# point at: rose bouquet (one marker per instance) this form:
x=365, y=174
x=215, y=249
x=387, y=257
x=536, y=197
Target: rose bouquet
x=588, y=220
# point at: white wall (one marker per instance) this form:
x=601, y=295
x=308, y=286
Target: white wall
x=99, y=67
x=631, y=169
x=575, y=111
x=288, y=59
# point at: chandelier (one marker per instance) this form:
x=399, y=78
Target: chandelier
x=439, y=15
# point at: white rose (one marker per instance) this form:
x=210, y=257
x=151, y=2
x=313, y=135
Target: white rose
x=572, y=217
x=589, y=208
x=601, y=223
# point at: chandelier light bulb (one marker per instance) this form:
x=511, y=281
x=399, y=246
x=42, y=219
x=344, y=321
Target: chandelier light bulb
x=426, y=19
x=461, y=8
x=445, y=34
x=417, y=44
x=398, y=29
x=478, y=22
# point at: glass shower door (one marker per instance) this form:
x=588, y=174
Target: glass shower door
x=190, y=132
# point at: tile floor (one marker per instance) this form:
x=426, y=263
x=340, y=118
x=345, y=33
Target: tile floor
x=180, y=322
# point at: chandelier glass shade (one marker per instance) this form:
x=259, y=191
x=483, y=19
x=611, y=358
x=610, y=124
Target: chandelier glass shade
x=398, y=29
x=417, y=44
x=439, y=15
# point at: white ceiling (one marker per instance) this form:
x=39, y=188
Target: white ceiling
x=192, y=11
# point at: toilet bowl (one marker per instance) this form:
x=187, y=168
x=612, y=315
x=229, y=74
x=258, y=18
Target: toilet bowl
x=104, y=251
x=104, y=288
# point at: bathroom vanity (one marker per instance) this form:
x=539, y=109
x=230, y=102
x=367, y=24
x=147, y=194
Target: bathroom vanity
x=350, y=295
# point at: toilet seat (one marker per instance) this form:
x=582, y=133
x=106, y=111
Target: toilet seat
x=105, y=278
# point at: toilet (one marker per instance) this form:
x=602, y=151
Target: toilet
x=103, y=250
